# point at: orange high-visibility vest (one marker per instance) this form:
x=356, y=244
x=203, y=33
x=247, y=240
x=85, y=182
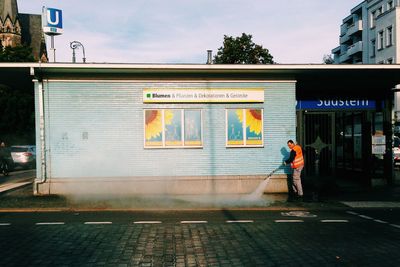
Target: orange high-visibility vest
x=298, y=160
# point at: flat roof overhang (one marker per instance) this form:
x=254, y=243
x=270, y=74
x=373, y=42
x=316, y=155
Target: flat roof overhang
x=312, y=79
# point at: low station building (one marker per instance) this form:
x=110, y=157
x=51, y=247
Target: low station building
x=207, y=129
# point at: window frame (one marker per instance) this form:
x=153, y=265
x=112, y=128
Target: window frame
x=164, y=130
x=373, y=47
x=373, y=19
x=381, y=39
x=390, y=5
x=244, y=129
x=389, y=36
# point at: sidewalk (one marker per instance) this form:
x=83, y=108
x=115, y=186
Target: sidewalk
x=24, y=200
x=379, y=197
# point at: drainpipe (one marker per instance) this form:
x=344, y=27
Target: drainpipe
x=42, y=178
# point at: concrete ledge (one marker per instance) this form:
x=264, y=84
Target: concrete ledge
x=193, y=185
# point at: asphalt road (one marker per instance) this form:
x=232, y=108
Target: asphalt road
x=354, y=237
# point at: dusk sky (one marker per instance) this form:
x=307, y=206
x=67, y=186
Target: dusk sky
x=181, y=31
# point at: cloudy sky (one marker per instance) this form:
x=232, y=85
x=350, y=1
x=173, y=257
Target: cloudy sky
x=180, y=31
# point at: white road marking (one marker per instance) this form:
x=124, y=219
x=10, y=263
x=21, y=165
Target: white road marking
x=98, y=222
x=379, y=221
x=365, y=217
x=370, y=218
x=240, y=221
x=289, y=221
x=147, y=222
x=302, y=214
x=335, y=221
x=5, y=224
x=186, y=222
x=50, y=223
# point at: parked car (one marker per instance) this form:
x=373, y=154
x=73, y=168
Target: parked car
x=24, y=156
x=396, y=157
x=396, y=151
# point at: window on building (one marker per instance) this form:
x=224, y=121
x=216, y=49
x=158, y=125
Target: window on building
x=172, y=128
x=390, y=5
x=374, y=15
x=373, y=18
x=379, y=11
x=373, y=48
x=244, y=128
x=380, y=40
x=389, y=37
x=390, y=61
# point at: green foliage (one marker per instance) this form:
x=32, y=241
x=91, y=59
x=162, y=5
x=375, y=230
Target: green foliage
x=242, y=50
x=17, y=116
x=20, y=53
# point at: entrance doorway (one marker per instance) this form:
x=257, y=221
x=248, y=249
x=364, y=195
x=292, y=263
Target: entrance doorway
x=337, y=146
x=318, y=143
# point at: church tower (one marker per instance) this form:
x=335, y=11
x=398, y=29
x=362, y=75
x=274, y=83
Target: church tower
x=10, y=26
x=21, y=29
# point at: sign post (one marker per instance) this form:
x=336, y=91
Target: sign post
x=52, y=25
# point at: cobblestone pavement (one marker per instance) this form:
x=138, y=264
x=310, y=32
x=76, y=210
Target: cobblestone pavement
x=199, y=238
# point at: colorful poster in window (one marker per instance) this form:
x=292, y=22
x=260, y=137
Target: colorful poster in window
x=153, y=128
x=193, y=128
x=173, y=127
x=254, y=126
x=244, y=127
x=235, y=127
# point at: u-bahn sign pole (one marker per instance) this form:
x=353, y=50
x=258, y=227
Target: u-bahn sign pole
x=52, y=25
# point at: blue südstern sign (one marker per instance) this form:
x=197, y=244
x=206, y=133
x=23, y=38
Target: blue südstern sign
x=336, y=104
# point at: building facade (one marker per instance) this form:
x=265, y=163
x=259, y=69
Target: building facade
x=369, y=35
x=167, y=133
x=21, y=29
x=208, y=129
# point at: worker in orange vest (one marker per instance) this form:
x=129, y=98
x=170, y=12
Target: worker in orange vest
x=296, y=161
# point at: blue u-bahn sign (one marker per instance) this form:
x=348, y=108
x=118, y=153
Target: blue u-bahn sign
x=52, y=21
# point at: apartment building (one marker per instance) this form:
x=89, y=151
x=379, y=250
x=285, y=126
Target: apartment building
x=369, y=34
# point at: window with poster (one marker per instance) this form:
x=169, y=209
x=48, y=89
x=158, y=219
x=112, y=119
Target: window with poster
x=244, y=127
x=173, y=128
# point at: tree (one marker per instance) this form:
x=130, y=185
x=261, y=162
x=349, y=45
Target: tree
x=17, y=110
x=17, y=115
x=242, y=50
x=19, y=53
x=327, y=59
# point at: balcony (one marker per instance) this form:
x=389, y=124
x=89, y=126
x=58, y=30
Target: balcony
x=336, y=50
x=355, y=48
x=343, y=58
x=356, y=27
x=348, y=30
x=345, y=38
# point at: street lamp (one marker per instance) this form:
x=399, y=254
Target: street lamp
x=74, y=45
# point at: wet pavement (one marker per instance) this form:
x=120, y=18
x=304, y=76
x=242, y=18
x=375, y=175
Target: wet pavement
x=16, y=192
x=23, y=199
